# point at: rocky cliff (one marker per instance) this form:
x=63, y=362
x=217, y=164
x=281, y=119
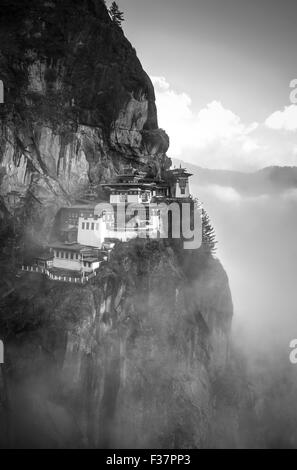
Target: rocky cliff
x=128, y=361
x=132, y=359
x=78, y=104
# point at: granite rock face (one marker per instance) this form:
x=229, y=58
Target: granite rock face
x=78, y=104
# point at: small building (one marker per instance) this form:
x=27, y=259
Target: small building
x=69, y=216
x=91, y=259
x=90, y=264
x=130, y=187
x=44, y=261
x=75, y=257
x=92, y=231
x=179, y=183
x=66, y=256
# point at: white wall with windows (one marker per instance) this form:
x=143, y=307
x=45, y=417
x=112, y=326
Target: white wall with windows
x=64, y=259
x=91, y=231
x=89, y=266
x=182, y=188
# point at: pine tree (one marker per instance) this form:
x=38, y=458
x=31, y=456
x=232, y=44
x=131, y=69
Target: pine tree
x=116, y=15
x=208, y=234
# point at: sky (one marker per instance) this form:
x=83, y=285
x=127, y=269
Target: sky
x=256, y=244
x=221, y=71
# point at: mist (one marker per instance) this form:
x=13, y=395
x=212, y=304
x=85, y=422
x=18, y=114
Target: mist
x=257, y=245
x=256, y=232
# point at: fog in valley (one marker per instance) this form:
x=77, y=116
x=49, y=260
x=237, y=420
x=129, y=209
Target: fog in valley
x=255, y=218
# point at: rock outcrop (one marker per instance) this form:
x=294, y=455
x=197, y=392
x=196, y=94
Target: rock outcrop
x=78, y=104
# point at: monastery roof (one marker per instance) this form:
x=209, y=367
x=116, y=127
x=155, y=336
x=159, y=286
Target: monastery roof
x=180, y=171
x=92, y=259
x=129, y=184
x=44, y=256
x=81, y=206
x=69, y=247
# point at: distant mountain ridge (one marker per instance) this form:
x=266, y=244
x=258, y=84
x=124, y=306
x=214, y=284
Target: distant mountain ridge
x=274, y=179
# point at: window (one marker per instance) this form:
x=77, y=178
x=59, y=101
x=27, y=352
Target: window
x=66, y=255
x=92, y=226
x=77, y=255
x=72, y=255
x=88, y=226
x=83, y=225
x=62, y=254
x=183, y=191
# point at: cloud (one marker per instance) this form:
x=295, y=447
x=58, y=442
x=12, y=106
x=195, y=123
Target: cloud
x=290, y=195
x=216, y=137
x=161, y=83
x=230, y=195
x=226, y=194
x=213, y=124
x=283, y=120
x=250, y=146
x=217, y=124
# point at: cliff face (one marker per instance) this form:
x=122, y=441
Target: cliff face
x=133, y=358
x=78, y=104
x=129, y=361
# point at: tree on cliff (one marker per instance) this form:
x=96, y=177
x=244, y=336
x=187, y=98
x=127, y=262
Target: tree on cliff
x=208, y=233
x=116, y=15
